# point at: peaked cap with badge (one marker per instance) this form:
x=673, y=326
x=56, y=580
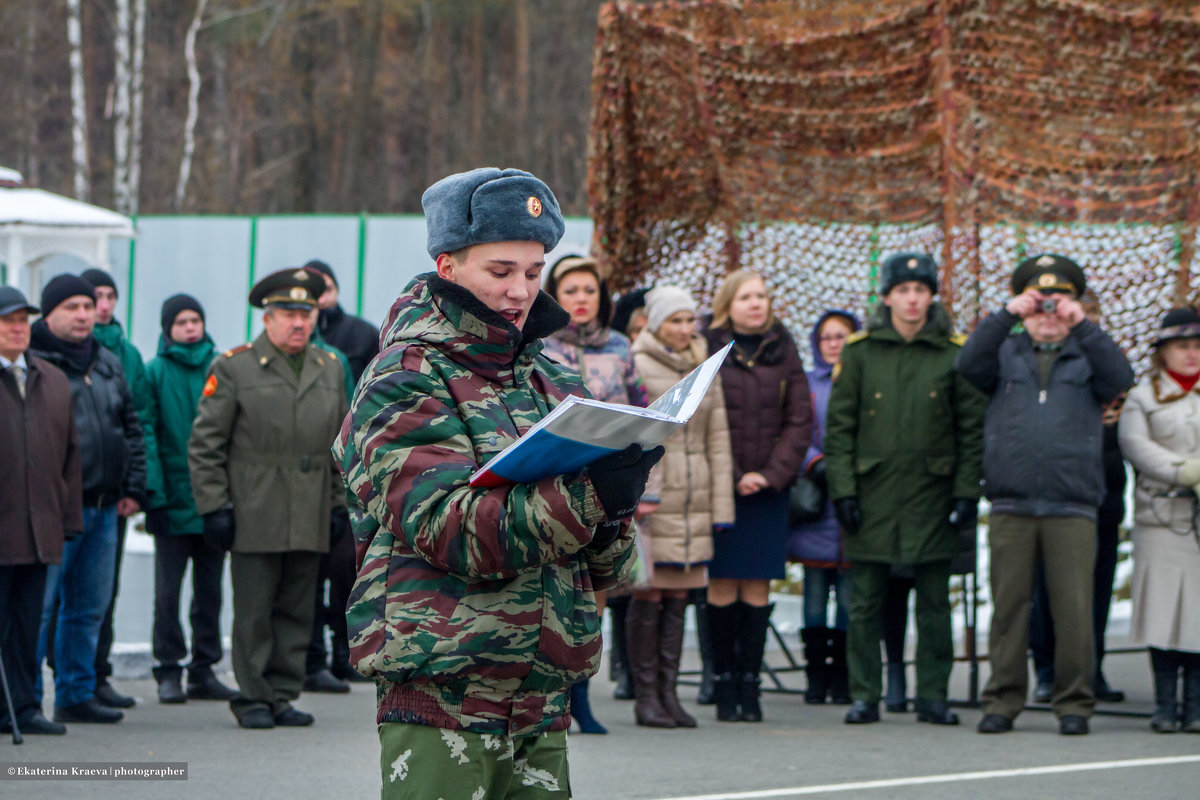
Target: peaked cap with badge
x=490, y=205
x=899, y=268
x=1049, y=273
x=292, y=288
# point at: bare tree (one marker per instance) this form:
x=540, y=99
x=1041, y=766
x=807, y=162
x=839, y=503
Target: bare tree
x=79, y=124
x=193, y=111
x=137, y=87
x=121, y=132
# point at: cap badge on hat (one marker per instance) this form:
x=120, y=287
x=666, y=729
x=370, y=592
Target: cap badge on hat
x=533, y=206
x=1048, y=278
x=1045, y=261
x=298, y=293
x=299, y=275
x=912, y=263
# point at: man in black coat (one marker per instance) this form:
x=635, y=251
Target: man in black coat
x=354, y=336
x=1043, y=473
x=112, y=456
x=42, y=501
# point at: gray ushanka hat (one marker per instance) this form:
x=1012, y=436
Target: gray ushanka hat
x=490, y=205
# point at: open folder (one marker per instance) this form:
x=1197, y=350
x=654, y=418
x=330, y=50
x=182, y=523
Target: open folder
x=580, y=430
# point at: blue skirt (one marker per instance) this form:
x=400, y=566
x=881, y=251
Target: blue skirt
x=756, y=548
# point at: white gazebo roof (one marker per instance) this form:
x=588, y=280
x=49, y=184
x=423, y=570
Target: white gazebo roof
x=35, y=224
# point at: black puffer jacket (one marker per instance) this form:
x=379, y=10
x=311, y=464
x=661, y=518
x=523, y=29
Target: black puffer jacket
x=1043, y=448
x=354, y=336
x=111, y=449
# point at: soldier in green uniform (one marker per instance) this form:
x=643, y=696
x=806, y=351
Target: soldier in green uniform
x=266, y=488
x=903, y=449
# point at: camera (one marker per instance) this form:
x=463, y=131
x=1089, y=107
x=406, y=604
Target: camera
x=1049, y=305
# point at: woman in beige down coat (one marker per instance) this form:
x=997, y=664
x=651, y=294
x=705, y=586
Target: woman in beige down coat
x=689, y=492
x=1160, y=436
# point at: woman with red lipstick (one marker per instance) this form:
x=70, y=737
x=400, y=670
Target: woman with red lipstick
x=770, y=423
x=604, y=358
x=1160, y=435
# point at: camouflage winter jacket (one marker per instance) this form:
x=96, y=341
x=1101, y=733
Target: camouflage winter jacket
x=473, y=608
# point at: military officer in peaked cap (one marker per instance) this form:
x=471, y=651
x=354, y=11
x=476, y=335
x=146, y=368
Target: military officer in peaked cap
x=265, y=485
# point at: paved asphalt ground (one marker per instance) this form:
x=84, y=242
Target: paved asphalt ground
x=799, y=751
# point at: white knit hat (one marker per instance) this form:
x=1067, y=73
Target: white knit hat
x=664, y=301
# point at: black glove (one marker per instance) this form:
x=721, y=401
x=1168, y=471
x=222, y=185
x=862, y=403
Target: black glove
x=606, y=533
x=219, y=529
x=849, y=514
x=816, y=473
x=158, y=522
x=620, y=479
x=339, y=524
x=965, y=514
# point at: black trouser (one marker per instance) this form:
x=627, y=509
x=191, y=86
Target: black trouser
x=1041, y=626
x=895, y=615
x=171, y=555
x=22, y=588
x=337, y=567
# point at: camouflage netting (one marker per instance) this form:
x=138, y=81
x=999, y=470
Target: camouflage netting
x=809, y=139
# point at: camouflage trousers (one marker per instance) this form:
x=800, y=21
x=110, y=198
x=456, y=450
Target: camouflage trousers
x=420, y=762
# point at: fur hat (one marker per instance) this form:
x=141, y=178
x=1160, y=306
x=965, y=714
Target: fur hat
x=664, y=301
x=899, y=268
x=490, y=205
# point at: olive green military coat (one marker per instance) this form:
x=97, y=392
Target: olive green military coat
x=261, y=443
x=904, y=434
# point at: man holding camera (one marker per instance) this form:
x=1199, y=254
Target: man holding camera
x=1043, y=473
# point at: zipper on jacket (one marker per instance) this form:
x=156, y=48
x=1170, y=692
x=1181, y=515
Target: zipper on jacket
x=1042, y=397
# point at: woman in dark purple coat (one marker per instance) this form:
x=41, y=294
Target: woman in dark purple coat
x=818, y=544
x=770, y=421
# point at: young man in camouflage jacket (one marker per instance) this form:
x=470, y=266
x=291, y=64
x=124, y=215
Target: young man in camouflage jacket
x=474, y=607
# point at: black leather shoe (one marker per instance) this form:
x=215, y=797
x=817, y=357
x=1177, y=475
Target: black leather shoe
x=1073, y=725
x=37, y=725
x=207, y=687
x=106, y=695
x=256, y=718
x=323, y=681
x=1043, y=693
x=936, y=712
x=170, y=691
x=292, y=717
x=1106, y=693
x=861, y=712
x=88, y=711
x=994, y=723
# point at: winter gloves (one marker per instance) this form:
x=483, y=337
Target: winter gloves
x=620, y=479
x=219, y=529
x=849, y=514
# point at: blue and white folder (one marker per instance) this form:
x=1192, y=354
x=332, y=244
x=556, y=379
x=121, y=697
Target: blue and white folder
x=579, y=430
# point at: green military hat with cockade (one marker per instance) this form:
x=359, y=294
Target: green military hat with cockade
x=1049, y=274
x=293, y=288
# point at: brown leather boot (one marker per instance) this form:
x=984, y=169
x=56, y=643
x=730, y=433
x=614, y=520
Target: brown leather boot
x=670, y=650
x=642, y=627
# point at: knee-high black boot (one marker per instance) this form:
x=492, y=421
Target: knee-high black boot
x=618, y=654
x=699, y=597
x=1165, y=665
x=839, y=672
x=1191, y=692
x=752, y=641
x=816, y=666
x=722, y=624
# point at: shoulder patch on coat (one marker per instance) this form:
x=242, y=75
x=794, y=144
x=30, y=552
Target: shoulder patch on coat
x=210, y=386
x=236, y=350
x=958, y=338
x=857, y=336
